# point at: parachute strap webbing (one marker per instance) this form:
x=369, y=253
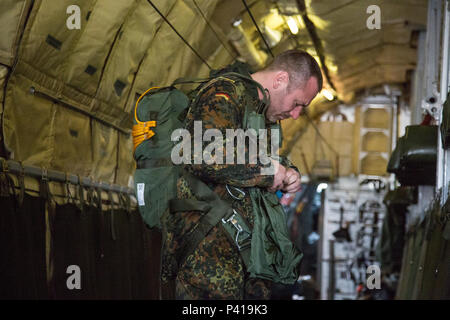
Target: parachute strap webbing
x=215, y=211
x=179, y=205
x=226, y=76
x=142, y=129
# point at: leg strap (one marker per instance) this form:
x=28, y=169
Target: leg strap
x=215, y=211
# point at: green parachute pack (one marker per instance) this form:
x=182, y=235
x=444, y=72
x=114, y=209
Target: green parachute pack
x=266, y=250
x=155, y=177
x=158, y=113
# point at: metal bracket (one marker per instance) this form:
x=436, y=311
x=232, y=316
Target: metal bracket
x=240, y=243
x=239, y=197
x=431, y=100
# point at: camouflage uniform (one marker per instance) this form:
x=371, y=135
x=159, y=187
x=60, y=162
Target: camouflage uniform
x=215, y=270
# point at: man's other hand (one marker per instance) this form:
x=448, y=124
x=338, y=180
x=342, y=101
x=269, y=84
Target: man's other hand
x=279, y=177
x=291, y=181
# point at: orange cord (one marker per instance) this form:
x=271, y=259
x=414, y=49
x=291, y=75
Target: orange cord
x=141, y=131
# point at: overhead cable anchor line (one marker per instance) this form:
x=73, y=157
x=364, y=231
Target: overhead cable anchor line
x=257, y=27
x=294, y=38
x=214, y=31
x=315, y=39
x=179, y=35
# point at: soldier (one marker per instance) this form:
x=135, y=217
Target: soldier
x=214, y=269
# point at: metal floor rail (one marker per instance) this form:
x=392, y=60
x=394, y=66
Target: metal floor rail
x=58, y=176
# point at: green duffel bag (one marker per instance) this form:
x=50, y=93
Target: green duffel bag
x=419, y=147
x=445, y=124
x=418, y=154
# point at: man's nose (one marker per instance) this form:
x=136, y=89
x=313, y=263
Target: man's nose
x=296, y=112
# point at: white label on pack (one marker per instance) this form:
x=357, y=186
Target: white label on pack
x=140, y=193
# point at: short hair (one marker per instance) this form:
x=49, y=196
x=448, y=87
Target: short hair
x=299, y=65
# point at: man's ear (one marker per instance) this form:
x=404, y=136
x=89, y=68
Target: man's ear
x=280, y=80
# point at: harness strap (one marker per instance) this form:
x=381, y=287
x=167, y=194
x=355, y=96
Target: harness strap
x=154, y=163
x=258, y=85
x=200, y=189
x=265, y=101
x=216, y=211
x=178, y=205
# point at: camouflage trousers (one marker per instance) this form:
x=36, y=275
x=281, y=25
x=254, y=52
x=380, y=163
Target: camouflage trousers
x=214, y=269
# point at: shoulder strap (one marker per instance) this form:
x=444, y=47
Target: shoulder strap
x=249, y=79
x=189, y=80
x=224, y=76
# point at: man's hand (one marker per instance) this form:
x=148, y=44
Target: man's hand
x=291, y=181
x=279, y=177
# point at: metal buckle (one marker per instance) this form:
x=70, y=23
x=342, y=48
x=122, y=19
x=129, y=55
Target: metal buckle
x=241, y=195
x=240, y=243
x=44, y=174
